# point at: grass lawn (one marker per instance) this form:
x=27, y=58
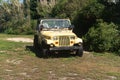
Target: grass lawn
x=18, y=62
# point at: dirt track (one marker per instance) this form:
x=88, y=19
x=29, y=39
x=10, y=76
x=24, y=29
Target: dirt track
x=20, y=39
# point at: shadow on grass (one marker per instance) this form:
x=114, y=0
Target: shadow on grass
x=51, y=54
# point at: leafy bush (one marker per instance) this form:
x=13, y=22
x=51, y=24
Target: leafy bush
x=116, y=46
x=102, y=37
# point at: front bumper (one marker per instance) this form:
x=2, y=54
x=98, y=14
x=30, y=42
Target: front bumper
x=71, y=48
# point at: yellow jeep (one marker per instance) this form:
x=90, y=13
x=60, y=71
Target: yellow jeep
x=55, y=35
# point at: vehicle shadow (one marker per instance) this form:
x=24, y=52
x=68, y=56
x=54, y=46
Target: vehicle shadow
x=51, y=55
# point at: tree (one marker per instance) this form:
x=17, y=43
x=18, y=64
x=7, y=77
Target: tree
x=69, y=8
x=38, y=10
x=33, y=9
x=11, y=13
x=13, y=19
x=27, y=11
x=111, y=12
x=82, y=13
x=87, y=17
x=43, y=11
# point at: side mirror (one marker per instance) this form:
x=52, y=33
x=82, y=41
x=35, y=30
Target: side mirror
x=71, y=27
x=41, y=27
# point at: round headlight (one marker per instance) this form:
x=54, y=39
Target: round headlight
x=51, y=45
x=72, y=37
x=55, y=38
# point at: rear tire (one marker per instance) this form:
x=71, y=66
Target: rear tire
x=35, y=44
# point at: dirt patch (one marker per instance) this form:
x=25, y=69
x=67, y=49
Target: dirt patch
x=20, y=39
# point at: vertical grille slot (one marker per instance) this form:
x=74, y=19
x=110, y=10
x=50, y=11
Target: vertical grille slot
x=64, y=41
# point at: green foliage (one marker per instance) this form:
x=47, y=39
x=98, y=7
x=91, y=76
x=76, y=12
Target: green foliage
x=33, y=24
x=94, y=9
x=116, y=45
x=68, y=8
x=11, y=14
x=15, y=17
x=82, y=13
x=87, y=17
x=38, y=10
x=43, y=11
x=112, y=13
x=59, y=9
x=33, y=9
x=101, y=37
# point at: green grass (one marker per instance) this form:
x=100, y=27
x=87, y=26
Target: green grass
x=24, y=65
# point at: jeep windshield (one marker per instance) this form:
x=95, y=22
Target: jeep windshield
x=56, y=23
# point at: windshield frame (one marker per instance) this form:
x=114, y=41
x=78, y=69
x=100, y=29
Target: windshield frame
x=55, y=23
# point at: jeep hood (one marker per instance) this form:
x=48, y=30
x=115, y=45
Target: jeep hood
x=58, y=33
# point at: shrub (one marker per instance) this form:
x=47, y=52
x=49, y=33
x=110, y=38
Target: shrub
x=116, y=45
x=102, y=37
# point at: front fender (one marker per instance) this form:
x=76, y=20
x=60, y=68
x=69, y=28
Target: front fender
x=49, y=41
x=78, y=40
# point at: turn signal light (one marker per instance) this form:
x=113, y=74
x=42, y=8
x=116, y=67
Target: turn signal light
x=56, y=42
x=71, y=42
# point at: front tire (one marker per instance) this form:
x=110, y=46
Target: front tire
x=45, y=52
x=79, y=52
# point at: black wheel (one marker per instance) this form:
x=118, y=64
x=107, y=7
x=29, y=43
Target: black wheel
x=79, y=52
x=35, y=44
x=45, y=52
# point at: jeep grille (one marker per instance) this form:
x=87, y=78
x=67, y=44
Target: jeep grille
x=64, y=41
